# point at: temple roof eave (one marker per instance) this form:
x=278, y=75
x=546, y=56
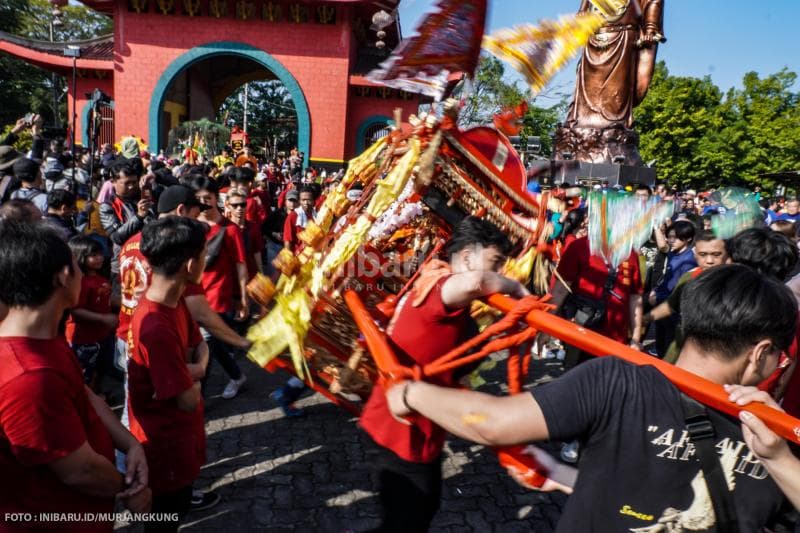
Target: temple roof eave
x=96, y=54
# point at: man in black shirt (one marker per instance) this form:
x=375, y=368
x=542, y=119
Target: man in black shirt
x=638, y=470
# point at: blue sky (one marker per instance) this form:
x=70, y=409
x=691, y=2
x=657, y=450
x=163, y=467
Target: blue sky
x=721, y=38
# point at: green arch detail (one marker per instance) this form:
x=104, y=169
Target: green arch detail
x=222, y=48
x=87, y=108
x=365, y=125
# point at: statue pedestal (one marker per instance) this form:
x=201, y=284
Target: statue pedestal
x=587, y=173
x=608, y=145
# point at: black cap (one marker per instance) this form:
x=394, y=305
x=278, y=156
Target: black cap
x=176, y=195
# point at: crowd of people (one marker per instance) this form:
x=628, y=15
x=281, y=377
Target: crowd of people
x=134, y=266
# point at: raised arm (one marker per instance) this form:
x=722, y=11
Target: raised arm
x=475, y=416
x=459, y=290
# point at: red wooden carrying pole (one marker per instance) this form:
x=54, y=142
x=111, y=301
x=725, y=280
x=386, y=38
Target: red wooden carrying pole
x=702, y=390
x=376, y=341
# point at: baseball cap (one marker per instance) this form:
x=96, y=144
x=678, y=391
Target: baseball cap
x=176, y=195
x=294, y=194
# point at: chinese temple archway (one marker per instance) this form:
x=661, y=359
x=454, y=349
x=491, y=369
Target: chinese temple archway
x=224, y=50
x=320, y=50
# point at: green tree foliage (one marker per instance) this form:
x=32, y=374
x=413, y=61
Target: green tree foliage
x=542, y=121
x=271, y=116
x=78, y=22
x=214, y=137
x=25, y=88
x=490, y=93
x=699, y=137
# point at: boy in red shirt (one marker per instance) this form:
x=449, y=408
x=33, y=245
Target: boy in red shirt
x=168, y=358
x=57, y=438
x=432, y=319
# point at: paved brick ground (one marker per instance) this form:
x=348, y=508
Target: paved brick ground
x=309, y=474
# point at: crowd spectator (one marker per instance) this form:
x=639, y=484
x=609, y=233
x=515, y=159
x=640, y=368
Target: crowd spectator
x=61, y=208
x=224, y=280
x=168, y=358
x=125, y=213
x=29, y=174
x=297, y=220
x=91, y=324
x=57, y=438
x=680, y=260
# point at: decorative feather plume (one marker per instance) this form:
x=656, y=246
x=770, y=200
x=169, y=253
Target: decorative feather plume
x=620, y=223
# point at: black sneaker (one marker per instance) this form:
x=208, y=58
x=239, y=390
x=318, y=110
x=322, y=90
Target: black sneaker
x=203, y=500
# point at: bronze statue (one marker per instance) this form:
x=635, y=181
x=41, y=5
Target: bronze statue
x=613, y=77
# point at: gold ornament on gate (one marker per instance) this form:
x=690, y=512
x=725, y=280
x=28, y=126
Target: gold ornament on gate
x=298, y=13
x=326, y=14
x=217, y=8
x=245, y=9
x=138, y=5
x=271, y=12
x=165, y=6
x=191, y=7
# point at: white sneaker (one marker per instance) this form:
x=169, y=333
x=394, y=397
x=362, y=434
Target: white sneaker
x=233, y=386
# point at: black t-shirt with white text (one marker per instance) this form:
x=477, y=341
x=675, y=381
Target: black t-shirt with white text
x=638, y=471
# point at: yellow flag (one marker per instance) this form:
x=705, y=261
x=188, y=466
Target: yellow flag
x=538, y=52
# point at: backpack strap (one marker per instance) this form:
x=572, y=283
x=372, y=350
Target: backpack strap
x=702, y=435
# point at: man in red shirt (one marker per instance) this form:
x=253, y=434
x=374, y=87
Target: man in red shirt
x=168, y=358
x=586, y=275
x=57, y=438
x=235, y=205
x=225, y=272
x=620, y=293
x=258, y=202
x=430, y=320
x=299, y=218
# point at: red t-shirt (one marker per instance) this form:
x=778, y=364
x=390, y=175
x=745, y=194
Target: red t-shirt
x=253, y=244
x=290, y=229
x=257, y=208
x=160, y=341
x=419, y=335
x=220, y=278
x=96, y=297
x=569, y=239
x=282, y=195
x=587, y=274
x=134, y=275
x=45, y=415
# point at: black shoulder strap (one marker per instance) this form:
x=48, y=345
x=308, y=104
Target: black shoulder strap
x=214, y=247
x=608, y=287
x=701, y=433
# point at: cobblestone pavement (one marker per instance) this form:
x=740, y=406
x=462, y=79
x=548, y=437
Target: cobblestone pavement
x=309, y=474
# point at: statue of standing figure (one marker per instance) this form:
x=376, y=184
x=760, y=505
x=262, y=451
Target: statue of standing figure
x=613, y=77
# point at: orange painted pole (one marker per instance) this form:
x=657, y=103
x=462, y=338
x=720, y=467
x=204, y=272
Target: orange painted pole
x=702, y=390
x=383, y=354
